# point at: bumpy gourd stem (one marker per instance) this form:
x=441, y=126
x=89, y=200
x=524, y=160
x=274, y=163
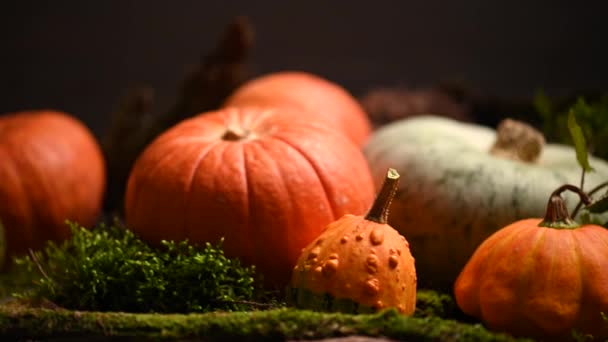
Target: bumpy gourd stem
x=557, y=215
x=518, y=141
x=379, y=211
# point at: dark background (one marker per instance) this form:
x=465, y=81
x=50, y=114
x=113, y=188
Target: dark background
x=81, y=56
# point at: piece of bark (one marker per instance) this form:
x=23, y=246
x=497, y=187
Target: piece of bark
x=135, y=123
x=387, y=104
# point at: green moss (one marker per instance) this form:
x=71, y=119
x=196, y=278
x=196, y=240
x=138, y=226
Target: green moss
x=26, y=322
x=434, y=304
x=110, y=269
x=305, y=299
x=429, y=303
x=109, y=272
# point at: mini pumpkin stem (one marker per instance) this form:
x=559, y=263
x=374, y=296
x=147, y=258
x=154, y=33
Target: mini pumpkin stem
x=518, y=141
x=591, y=193
x=379, y=211
x=557, y=215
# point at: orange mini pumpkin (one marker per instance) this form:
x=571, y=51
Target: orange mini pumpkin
x=361, y=262
x=264, y=179
x=540, y=278
x=318, y=97
x=51, y=170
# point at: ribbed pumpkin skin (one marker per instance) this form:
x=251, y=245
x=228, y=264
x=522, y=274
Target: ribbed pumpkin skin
x=269, y=196
x=51, y=170
x=455, y=194
x=360, y=260
x=539, y=282
x=320, y=98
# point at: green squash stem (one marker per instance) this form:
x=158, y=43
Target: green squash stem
x=557, y=215
x=379, y=211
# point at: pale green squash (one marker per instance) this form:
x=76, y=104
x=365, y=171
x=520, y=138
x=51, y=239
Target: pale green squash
x=454, y=193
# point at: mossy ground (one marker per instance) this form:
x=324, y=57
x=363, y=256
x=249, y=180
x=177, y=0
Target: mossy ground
x=34, y=316
x=19, y=320
x=26, y=320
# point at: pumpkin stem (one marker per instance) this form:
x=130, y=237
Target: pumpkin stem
x=591, y=193
x=233, y=133
x=518, y=141
x=557, y=215
x=379, y=211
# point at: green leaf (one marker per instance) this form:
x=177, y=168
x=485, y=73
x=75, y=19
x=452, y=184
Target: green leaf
x=599, y=206
x=580, y=144
x=591, y=115
x=543, y=104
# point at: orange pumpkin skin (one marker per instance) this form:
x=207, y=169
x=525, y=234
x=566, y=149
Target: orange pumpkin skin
x=539, y=282
x=319, y=97
x=51, y=170
x=269, y=193
x=361, y=260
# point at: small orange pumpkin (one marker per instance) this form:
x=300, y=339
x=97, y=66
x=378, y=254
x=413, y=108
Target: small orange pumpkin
x=360, y=260
x=51, y=170
x=264, y=179
x=540, y=278
x=318, y=97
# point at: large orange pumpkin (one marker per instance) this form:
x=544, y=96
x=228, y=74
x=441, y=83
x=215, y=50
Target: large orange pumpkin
x=540, y=278
x=51, y=170
x=264, y=179
x=319, y=97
